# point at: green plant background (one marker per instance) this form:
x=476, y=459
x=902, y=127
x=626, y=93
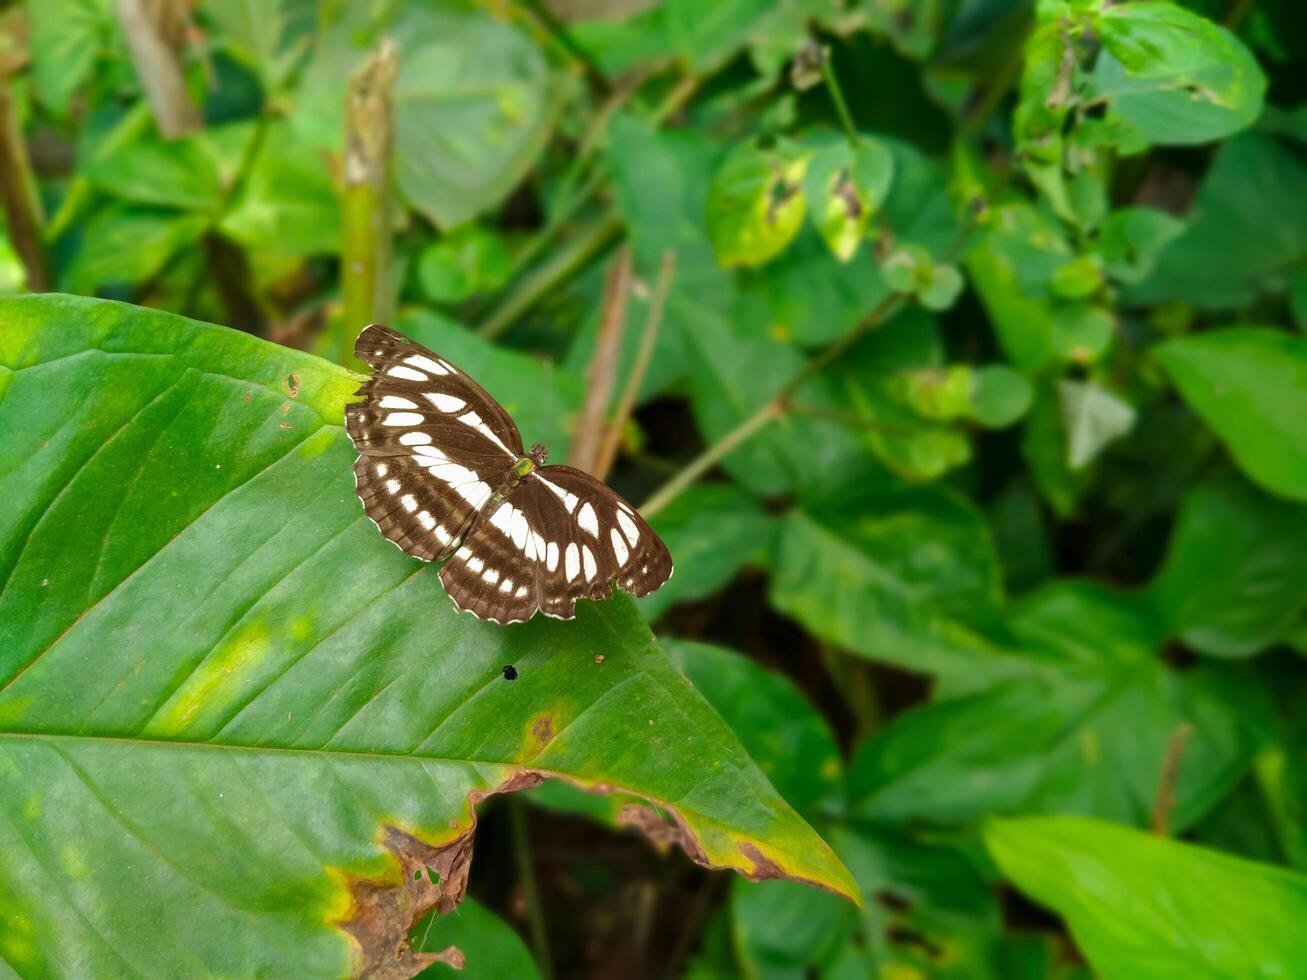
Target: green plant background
x=966, y=342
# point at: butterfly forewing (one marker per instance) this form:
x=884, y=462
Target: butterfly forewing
x=435, y=472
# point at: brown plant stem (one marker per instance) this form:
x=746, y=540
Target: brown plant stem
x=158, y=68
x=367, y=207
x=22, y=204
x=535, y=912
x=1165, y=799
x=601, y=375
x=626, y=404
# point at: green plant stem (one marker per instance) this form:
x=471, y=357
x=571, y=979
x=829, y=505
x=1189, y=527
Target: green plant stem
x=368, y=210
x=569, y=258
x=535, y=912
x=562, y=37
x=601, y=375
x=837, y=96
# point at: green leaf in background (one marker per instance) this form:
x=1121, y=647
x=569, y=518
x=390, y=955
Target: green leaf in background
x=1131, y=238
x=901, y=578
x=67, y=37
x=1080, y=720
x=1247, y=231
x=755, y=203
x=123, y=244
x=288, y=205
x=999, y=396
x=470, y=260
x=490, y=947
x=712, y=530
x=1176, y=76
x=179, y=173
x=256, y=32
x=791, y=743
x=473, y=108
x=1044, y=444
x=1233, y=582
x=1249, y=384
x=236, y=659
x=795, y=453
x=1145, y=907
x=475, y=100
x=1094, y=418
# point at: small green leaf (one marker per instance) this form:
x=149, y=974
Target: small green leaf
x=999, y=396
x=1143, y=906
x=67, y=36
x=1077, y=279
x=467, y=261
x=1080, y=332
x=1094, y=417
x=845, y=186
x=178, y=173
x=942, y=287
x=755, y=204
x=1131, y=239
x=1249, y=384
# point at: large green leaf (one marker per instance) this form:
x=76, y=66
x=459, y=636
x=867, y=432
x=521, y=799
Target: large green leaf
x=1145, y=907
x=1247, y=231
x=1255, y=544
x=67, y=35
x=1250, y=385
x=490, y=947
x=1085, y=727
x=234, y=722
x=1176, y=76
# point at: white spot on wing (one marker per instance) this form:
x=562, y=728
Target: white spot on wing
x=408, y=374
x=427, y=521
x=506, y=586
x=426, y=364
x=431, y=453
x=402, y=418
x=551, y=556
x=414, y=438
x=443, y=536
x=586, y=518
x=444, y=403
x=591, y=569
x=392, y=486
x=394, y=401
x=475, y=421
x=475, y=565
x=619, y=546
x=628, y=527
x=409, y=503
x=381, y=469
x=520, y=530
x=521, y=591
x=572, y=562
x=569, y=499
x=538, y=544
x=491, y=576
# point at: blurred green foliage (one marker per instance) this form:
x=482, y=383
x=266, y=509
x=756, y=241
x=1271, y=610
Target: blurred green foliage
x=989, y=317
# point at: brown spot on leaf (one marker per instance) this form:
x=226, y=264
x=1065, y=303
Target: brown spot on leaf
x=543, y=729
x=247, y=396
x=287, y=425
x=430, y=876
x=285, y=408
x=663, y=830
x=293, y=384
x=599, y=658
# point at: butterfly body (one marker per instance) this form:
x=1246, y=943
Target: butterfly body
x=443, y=474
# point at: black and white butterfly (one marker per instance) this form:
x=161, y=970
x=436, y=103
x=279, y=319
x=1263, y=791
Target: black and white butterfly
x=442, y=473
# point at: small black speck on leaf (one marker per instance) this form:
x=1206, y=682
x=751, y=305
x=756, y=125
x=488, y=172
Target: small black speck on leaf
x=510, y=672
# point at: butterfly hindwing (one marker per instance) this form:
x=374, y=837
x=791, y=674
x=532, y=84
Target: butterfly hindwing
x=560, y=536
